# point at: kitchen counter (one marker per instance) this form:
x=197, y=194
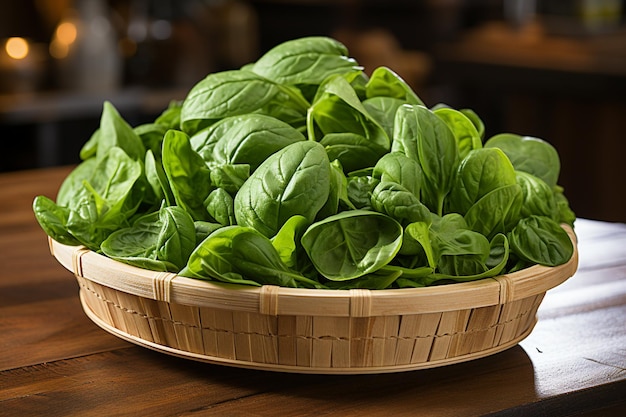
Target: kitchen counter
x=54, y=361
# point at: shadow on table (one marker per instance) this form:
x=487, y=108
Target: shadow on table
x=483, y=386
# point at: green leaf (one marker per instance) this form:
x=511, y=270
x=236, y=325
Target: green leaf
x=497, y=212
x=160, y=241
x=116, y=132
x=212, y=259
x=106, y=200
x=467, y=136
x=480, y=172
x=293, y=181
x=53, y=220
x=399, y=168
x=308, y=60
x=399, y=203
x=532, y=155
x=337, y=109
x=424, y=137
x=287, y=240
x=352, y=243
x=384, y=82
x=232, y=93
x=189, y=177
x=229, y=177
x=541, y=240
x=220, y=206
x=537, y=197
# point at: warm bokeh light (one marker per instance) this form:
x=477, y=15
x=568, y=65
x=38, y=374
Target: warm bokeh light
x=64, y=36
x=59, y=50
x=66, y=33
x=16, y=48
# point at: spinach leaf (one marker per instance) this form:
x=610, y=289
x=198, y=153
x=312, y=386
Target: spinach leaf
x=170, y=117
x=73, y=183
x=220, y=206
x=151, y=135
x=204, y=229
x=308, y=60
x=494, y=265
x=360, y=190
x=287, y=241
x=187, y=173
x=338, y=110
x=566, y=214
x=116, y=132
x=476, y=121
x=386, y=83
x=479, y=173
x=212, y=259
x=90, y=148
x=541, y=240
x=237, y=92
x=352, y=150
x=337, y=193
x=292, y=181
x=397, y=167
x=106, y=200
x=155, y=174
x=383, y=110
x=241, y=255
x=254, y=256
x=532, y=155
x=352, y=243
x=53, y=220
x=537, y=197
x=497, y=212
x=230, y=177
x=245, y=139
x=419, y=233
x=398, y=203
x=160, y=241
x=467, y=136
x=424, y=137
x=377, y=280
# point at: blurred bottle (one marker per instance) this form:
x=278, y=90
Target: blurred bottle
x=85, y=48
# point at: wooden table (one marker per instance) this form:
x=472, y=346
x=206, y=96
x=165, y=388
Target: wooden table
x=54, y=361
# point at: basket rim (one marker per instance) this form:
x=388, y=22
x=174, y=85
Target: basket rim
x=275, y=300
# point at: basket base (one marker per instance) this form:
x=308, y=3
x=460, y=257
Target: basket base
x=295, y=369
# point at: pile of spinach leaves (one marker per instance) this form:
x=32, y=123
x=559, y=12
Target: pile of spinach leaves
x=300, y=170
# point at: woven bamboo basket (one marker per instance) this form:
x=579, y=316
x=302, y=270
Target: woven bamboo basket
x=310, y=331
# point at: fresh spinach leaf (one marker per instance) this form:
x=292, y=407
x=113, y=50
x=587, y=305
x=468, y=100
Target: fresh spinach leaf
x=292, y=181
x=384, y=82
x=541, y=240
x=244, y=139
x=479, y=173
x=237, y=92
x=160, y=241
x=424, y=137
x=309, y=60
x=398, y=203
x=230, y=177
x=467, y=136
x=352, y=243
x=220, y=206
x=106, y=200
x=188, y=175
x=532, y=155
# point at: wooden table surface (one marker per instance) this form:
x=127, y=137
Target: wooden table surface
x=55, y=362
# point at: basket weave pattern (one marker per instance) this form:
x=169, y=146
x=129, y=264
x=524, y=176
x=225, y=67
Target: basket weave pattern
x=310, y=331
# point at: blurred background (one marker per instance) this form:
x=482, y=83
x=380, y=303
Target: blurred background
x=550, y=69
